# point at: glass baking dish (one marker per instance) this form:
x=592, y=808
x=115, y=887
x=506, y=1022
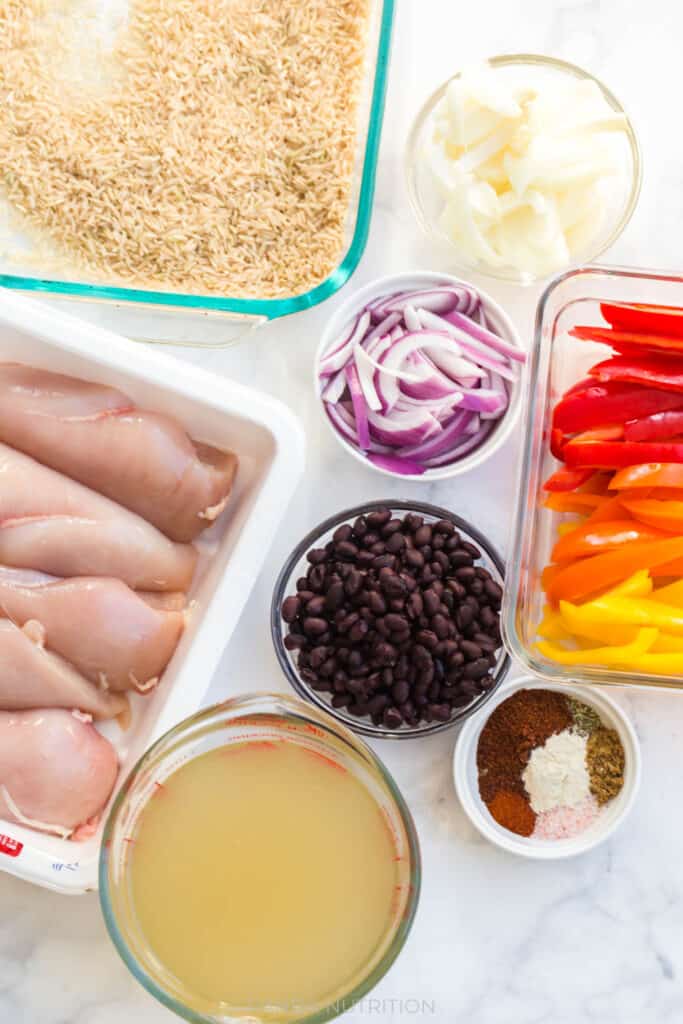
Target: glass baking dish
x=557, y=362
x=174, y=317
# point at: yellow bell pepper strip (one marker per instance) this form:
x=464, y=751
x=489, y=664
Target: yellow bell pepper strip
x=592, y=538
x=626, y=611
x=667, y=644
x=582, y=578
x=551, y=626
x=672, y=593
x=624, y=655
x=665, y=515
x=648, y=474
x=638, y=585
x=658, y=664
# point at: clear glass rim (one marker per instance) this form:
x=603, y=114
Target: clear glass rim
x=363, y=727
x=511, y=60
x=251, y=704
x=579, y=675
x=269, y=309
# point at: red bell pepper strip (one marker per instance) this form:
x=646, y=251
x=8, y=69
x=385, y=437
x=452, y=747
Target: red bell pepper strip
x=608, y=336
x=652, y=474
x=648, y=370
x=566, y=479
x=558, y=439
x=643, y=318
x=588, y=575
x=658, y=427
x=618, y=454
x=608, y=404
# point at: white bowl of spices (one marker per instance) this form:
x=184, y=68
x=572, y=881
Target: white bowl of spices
x=547, y=770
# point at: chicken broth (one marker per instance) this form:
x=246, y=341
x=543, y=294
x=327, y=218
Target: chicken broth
x=263, y=875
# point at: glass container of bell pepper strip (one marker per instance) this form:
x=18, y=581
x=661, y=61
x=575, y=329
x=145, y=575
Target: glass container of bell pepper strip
x=607, y=470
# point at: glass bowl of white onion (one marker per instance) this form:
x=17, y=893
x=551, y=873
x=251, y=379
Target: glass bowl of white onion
x=523, y=165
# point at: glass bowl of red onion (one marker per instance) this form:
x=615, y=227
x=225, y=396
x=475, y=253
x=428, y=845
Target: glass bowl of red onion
x=419, y=376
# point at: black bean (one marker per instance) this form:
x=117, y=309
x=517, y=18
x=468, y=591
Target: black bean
x=414, y=558
x=314, y=626
x=396, y=543
x=328, y=668
x=360, y=527
x=471, y=650
x=465, y=574
x=341, y=700
x=440, y=626
x=471, y=549
x=385, y=561
x=441, y=712
x=358, y=631
x=428, y=638
x=385, y=653
x=494, y=591
x=377, y=603
x=476, y=669
x=290, y=608
x=349, y=620
x=413, y=521
x=316, y=578
x=423, y=535
x=342, y=533
x=353, y=582
x=347, y=550
x=392, y=718
x=396, y=623
x=464, y=616
x=359, y=709
x=316, y=556
x=315, y=606
x=293, y=641
x=302, y=583
x=431, y=601
x=365, y=558
x=379, y=517
x=400, y=691
x=477, y=587
x=488, y=618
x=377, y=704
x=438, y=542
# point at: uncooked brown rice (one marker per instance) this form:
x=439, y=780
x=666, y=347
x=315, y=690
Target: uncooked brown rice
x=209, y=148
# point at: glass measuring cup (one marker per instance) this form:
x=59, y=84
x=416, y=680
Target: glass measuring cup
x=252, y=719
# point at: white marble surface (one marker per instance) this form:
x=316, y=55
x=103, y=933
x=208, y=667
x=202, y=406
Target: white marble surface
x=497, y=940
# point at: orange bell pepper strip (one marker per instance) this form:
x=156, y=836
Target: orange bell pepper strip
x=613, y=508
x=593, y=538
x=648, y=474
x=590, y=575
x=573, y=501
x=674, y=569
x=664, y=515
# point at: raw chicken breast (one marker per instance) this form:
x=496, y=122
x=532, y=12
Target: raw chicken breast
x=31, y=677
x=111, y=634
x=56, y=525
x=56, y=771
x=95, y=434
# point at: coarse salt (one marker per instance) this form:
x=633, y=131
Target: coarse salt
x=566, y=822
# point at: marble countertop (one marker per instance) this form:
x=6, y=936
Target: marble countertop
x=497, y=940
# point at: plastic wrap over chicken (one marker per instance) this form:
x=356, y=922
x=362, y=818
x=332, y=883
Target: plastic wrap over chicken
x=99, y=504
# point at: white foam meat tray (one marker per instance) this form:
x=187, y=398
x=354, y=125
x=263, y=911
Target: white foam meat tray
x=270, y=444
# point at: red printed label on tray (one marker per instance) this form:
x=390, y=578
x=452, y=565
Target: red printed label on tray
x=9, y=846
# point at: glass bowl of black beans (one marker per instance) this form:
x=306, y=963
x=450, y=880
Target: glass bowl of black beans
x=387, y=616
